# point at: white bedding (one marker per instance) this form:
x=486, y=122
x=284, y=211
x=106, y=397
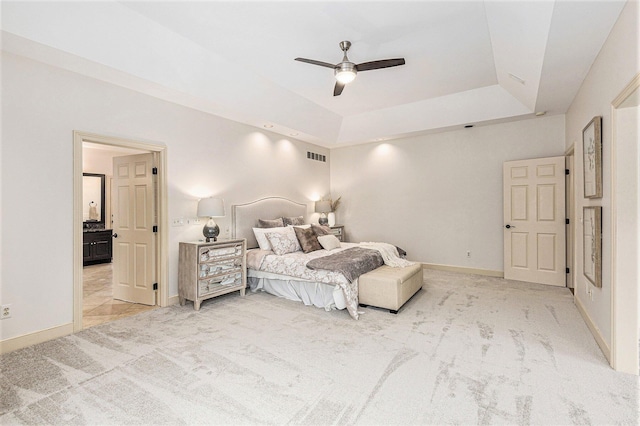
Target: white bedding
x=295, y=264
x=290, y=270
x=325, y=296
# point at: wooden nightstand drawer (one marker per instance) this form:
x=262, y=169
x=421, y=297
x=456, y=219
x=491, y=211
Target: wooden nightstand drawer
x=338, y=231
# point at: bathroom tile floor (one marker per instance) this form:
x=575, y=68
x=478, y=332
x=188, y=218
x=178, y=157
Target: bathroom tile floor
x=98, y=304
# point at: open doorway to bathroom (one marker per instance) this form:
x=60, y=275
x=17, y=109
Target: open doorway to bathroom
x=100, y=304
x=104, y=269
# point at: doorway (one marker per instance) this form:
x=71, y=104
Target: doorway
x=534, y=215
x=570, y=226
x=100, y=277
x=103, y=298
x=625, y=230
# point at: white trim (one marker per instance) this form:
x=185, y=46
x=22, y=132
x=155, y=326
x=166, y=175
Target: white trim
x=606, y=351
x=464, y=270
x=163, y=221
x=570, y=212
x=620, y=359
x=173, y=300
x=20, y=342
x=77, y=232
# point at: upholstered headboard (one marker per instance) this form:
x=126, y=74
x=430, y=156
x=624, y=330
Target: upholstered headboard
x=244, y=217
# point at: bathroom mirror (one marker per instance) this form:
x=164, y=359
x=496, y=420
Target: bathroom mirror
x=93, y=198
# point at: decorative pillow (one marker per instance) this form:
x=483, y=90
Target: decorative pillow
x=299, y=220
x=321, y=230
x=329, y=242
x=261, y=238
x=283, y=243
x=308, y=239
x=270, y=223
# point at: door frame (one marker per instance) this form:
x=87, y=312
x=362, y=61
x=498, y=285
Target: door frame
x=570, y=211
x=624, y=352
x=79, y=138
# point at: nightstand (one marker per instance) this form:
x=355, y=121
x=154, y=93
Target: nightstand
x=207, y=270
x=338, y=231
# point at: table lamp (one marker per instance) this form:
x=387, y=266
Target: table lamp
x=323, y=207
x=211, y=207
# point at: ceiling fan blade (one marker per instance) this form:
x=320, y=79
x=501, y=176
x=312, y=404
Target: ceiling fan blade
x=314, y=62
x=383, y=63
x=338, y=88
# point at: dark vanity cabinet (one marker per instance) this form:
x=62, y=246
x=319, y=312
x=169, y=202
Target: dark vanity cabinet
x=97, y=247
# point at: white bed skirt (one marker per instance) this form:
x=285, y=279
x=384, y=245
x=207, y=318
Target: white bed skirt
x=321, y=295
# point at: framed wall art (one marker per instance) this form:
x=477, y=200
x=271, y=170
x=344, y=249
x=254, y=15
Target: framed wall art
x=592, y=155
x=592, y=231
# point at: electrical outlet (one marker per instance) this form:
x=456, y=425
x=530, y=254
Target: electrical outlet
x=5, y=311
x=468, y=253
x=195, y=221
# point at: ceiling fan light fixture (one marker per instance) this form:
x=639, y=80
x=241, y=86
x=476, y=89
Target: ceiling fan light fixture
x=345, y=77
x=346, y=73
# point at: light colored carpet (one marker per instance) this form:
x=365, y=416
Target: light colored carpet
x=465, y=350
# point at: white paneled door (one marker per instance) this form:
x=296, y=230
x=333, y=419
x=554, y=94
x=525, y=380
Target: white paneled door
x=534, y=220
x=134, y=245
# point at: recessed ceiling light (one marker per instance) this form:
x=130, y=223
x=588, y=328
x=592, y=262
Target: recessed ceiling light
x=268, y=126
x=540, y=113
x=293, y=134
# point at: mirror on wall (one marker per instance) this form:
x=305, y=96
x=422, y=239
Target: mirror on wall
x=93, y=198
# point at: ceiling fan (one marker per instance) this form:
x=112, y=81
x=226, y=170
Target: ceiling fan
x=346, y=70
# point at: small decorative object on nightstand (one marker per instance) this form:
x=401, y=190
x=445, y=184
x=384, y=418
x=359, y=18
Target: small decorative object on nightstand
x=338, y=231
x=211, y=269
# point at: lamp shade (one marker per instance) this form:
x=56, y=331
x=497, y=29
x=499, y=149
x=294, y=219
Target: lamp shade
x=211, y=207
x=323, y=206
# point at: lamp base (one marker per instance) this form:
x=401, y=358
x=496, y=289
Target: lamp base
x=211, y=231
x=323, y=220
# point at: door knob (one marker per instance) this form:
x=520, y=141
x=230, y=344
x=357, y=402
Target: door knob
x=115, y=235
x=509, y=226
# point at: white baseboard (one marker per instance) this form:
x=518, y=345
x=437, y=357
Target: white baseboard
x=594, y=330
x=20, y=342
x=173, y=300
x=464, y=270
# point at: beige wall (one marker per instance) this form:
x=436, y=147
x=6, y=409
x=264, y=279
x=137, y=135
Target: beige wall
x=207, y=155
x=438, y=196
x=614, y=68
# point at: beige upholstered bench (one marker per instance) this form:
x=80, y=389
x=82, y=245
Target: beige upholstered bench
x=388, y=287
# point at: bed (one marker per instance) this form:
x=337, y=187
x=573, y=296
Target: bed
x=287, y=275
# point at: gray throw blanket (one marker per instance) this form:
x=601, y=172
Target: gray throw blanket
x=351, y=262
